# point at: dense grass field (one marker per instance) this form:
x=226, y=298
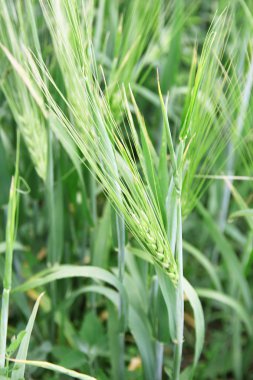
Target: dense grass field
x=126, y=189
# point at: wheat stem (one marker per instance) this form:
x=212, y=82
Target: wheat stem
x=10, y=238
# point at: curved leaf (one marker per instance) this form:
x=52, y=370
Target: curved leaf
x=198, y=318
x=19, y=369
x=55, y=368
x=69, y=271
x=228, y=301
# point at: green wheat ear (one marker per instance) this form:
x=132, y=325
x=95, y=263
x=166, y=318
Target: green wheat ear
x=13, y=33
x=102, y=142
x=206, y=127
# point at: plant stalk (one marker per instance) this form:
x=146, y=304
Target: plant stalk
x=4, y=325
x=120, y=223
x=10, y=238
x=179, y=257
x=179, y=296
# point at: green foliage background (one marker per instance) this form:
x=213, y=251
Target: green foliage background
x=96, y=221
